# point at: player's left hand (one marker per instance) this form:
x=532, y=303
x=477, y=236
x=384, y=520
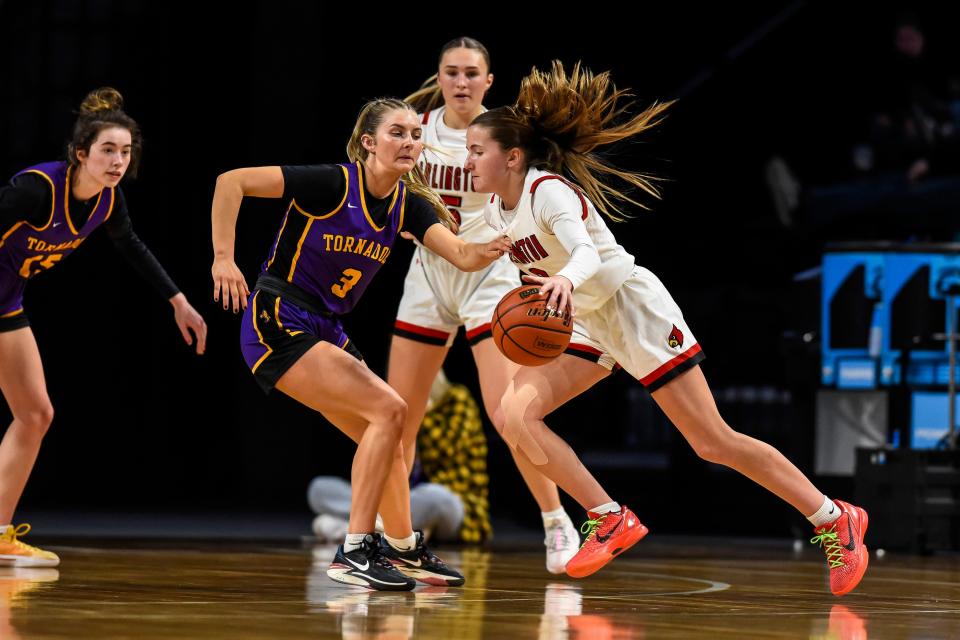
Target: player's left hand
x=559, y=290
x=188, y=320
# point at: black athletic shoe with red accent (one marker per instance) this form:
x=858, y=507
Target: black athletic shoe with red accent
x=367, y=567
x=420, y=563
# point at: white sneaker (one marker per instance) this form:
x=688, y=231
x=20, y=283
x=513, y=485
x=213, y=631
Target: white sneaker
x=329, y=528
x=562, y=542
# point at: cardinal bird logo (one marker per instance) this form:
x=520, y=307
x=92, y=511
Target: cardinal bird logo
x=675, y=339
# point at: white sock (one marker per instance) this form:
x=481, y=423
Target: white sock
x=403, y=544
x=352, y=542
x=827, y=513
x=556, y=514
x=609, y=507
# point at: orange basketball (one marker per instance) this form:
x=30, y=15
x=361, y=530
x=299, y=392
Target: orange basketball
x=525, y=331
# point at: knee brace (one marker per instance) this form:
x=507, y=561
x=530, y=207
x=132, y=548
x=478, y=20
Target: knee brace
x=514, y=405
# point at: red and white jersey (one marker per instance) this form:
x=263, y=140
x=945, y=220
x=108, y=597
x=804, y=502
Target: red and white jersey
x=547, y=198
x=442, y=160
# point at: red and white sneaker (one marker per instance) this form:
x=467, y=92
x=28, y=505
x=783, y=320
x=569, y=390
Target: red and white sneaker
x=842, y=541
x=607, y=536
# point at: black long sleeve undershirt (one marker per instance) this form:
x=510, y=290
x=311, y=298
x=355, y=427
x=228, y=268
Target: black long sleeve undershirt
x=28, y=198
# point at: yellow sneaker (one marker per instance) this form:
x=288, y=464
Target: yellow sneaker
x=14, y=553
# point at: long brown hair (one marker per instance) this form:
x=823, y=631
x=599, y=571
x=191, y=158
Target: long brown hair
x=429, y=96
x=102, y=109
x=559, y=120
x=369, y=119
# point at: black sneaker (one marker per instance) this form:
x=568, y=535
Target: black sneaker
x=421, y=564
x=367, y=567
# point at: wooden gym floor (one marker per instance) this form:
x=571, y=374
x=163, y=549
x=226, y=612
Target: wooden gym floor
x=685, y=589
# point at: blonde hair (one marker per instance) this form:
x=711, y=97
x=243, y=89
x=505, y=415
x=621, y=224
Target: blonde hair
x=102, y=109
x=368, y=121
x=559, y=120
x=429, y=96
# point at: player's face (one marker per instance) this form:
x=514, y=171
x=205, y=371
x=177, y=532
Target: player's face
x=464, y=79
x=109, y=156
x=487, y=161
x=398, y=144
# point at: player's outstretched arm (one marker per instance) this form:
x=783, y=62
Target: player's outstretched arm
x=466, y=256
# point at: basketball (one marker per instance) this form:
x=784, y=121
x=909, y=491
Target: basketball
x=525, y=331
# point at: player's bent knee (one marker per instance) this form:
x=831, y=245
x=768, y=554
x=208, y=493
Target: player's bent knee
x=391, y=414
x=36, y=420
x=708, y=451
x=717, y=448
x=516, y=405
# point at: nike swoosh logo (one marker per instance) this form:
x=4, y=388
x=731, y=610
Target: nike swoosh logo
x=414, y=563
x=850, y=546
x=55, y=224
x=833, y=508
x=603, y=539
x=351, y=206
x=363, y=567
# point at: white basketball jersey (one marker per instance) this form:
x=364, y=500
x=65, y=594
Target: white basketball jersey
x=536, y=250
x=442, y=160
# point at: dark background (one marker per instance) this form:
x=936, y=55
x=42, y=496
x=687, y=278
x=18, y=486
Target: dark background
x=143, y=423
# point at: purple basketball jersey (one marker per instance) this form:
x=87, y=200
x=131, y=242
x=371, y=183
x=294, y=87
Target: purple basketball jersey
x=26, y=250
x=334, y=256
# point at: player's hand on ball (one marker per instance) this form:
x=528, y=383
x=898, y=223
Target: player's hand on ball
x=559, y=290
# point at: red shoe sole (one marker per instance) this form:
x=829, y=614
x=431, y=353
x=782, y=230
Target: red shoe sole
x=862, y=552
x=598, y=561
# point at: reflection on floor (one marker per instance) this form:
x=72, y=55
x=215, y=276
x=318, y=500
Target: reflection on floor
x=661, y=590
